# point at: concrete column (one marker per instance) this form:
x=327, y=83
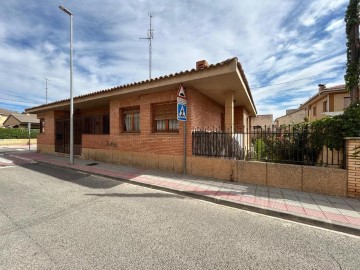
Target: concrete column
x=353, y=166
x=229, y=111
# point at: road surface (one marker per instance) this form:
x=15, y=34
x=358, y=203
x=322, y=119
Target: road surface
x=54, y=218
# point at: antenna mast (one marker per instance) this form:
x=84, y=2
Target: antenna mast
x=150, y=36
x=46, y=90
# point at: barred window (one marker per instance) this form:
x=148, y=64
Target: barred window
x=99, y=124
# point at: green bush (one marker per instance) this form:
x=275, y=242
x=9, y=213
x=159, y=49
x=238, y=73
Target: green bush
x=18, y=133
x=260, y=149
x=335, y=129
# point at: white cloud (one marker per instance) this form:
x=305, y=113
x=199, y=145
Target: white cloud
x=319, y=9
x=335, y=24
x=268, y=38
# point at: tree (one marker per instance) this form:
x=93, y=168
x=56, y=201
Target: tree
x=353, y=55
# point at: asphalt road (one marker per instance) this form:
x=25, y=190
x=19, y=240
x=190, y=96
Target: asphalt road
x=52, y=218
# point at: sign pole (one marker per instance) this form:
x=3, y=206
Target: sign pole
x=184, y=147
x=29, y=129
x=182, y=116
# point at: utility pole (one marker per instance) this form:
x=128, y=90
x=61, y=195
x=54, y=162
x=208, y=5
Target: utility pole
x=150, y=36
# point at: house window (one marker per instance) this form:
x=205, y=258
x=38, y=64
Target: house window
x=42, y=125
x=346, y=102
x=89, y=125
x=131, y=119
x=314, y=111
x=99, y=124
x=165, y=118
x=325, y=106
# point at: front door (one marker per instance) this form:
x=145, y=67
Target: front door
x=62, y=136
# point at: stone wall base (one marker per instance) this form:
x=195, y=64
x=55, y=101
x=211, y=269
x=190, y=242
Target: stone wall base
x=328, y=181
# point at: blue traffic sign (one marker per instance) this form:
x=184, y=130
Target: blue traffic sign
x=181, y=112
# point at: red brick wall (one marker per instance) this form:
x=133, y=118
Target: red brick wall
x=145, y=141
x=203, y=111
x=48, y=136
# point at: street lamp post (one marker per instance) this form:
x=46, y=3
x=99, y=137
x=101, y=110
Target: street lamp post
x=71, y=90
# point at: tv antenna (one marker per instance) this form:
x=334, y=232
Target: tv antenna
x=150, y=36
x=46, y=90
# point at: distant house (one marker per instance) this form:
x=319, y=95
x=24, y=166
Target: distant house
x=327, y=102
x=292, y=116
x=17, y=120
x=4, y=115
x=262, y=121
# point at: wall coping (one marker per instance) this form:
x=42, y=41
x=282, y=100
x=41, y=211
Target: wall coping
x=352, y=138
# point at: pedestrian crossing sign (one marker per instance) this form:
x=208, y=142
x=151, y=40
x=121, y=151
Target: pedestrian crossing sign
x=181, y=112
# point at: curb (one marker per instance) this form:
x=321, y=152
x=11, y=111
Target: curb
x=243, y=206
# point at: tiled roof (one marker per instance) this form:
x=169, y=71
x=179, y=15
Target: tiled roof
x=177, y=74
x=26, y=118
x=336, y=87
x=5, y=112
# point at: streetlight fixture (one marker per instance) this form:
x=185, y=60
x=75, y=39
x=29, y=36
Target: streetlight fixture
x=71, y=84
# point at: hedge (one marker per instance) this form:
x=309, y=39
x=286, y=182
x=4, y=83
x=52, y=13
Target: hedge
x=18, y=133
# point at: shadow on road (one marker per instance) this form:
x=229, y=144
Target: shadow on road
x=79, y=178
x=144, y=195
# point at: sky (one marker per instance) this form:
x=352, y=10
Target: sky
x=286, y=47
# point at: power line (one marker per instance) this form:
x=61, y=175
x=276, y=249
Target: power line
x=8, y=94
x=263, y=86
x=19, y=101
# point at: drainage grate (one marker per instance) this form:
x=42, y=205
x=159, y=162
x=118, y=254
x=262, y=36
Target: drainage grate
x=92, y=164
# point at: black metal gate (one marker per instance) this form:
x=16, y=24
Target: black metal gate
x=62, y=136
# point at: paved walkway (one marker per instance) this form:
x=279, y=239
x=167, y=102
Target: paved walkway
x=342, y=214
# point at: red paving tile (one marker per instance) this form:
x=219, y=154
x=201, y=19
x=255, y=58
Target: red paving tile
x=336, y=217
x=235, y=197
x=314, y=213
x=295, y=209
x=353, y=220
x=262, y=202
x=277, y=205
x=248, y=199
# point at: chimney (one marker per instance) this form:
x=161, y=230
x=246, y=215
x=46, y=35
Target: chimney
x=201, y=64
x=322, y=87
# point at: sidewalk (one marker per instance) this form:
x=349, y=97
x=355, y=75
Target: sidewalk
x=336, y=213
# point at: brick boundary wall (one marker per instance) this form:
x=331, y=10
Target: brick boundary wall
x=353, y=166
x=9, y=142
x=329, y=181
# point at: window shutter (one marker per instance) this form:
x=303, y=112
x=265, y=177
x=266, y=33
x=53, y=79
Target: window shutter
x=165, y=111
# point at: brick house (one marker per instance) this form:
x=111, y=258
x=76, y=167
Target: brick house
x=137, y=123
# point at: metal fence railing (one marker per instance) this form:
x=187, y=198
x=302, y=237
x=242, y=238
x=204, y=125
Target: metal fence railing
x=287, y=145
